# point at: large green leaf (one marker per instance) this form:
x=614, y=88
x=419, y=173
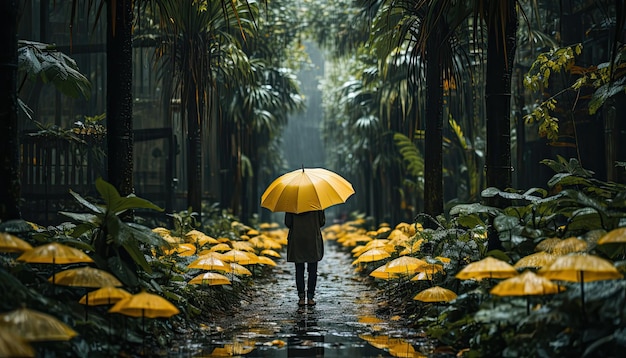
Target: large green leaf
x=116, y=203
x=93, y=207
x=44, y=61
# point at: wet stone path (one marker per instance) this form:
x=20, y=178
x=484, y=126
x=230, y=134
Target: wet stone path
x=342, y=324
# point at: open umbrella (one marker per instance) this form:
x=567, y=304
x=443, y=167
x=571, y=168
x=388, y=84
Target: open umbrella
x=104, y=296
x=145, y=304
x=435, y=294
x=240, y=257
x=580, y=268
x=306, y=189
x=405, y=265
x=12, y=345
x=54, y=253
x=85, y=277
x=12, y=243
x=371, y=255
x=525, y=284
x=35, y=326
x=569, y=245
x=210, y=263
x=535, y=260
x=489, y=267
x=210, y=278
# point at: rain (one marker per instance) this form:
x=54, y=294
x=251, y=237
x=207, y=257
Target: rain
x=312, y=178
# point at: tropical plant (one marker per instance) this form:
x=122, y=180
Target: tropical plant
x=116, y=244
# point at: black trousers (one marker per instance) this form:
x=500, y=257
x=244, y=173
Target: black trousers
x=311, y=280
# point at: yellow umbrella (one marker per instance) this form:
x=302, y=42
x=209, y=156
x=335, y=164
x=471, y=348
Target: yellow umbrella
x=104, y=296
x=240, y=257
x=237, y=269
x=615, y=236
x=210, y=278
x=270, y=252
x=536, y=260
x=210, y=263
x=243, y=246
x=372, y=255
x=12, y=243
x=85, y=277
x=145, y=304
x=220, y=247
x=547, y=244
x=581, y=268
x=405, y=264
x=182, y=249
x=35, y=326
x=488, y=267
x=435, y=294
x=264, y=260
x=12, y=345
x=199, y=238
x=526, y=284
x=569, y=245
x=306, y=189
x=382, y=273
x=54, y=253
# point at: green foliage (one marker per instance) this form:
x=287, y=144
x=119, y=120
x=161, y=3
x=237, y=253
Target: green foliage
x=117, y=244
x=43, y=61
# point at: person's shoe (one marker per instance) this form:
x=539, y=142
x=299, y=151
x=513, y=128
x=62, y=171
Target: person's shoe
x=311, y=302
x=301, y=301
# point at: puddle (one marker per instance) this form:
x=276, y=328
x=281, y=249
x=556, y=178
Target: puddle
x=344, y=322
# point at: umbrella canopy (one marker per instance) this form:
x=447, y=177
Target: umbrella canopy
x=306, y=189
x=240, y=257
x=381, y=273
x=210, y=278
x=264, y=260
x=435, y=294
x=85, y=277
x=615, y=236
x=580, y=268
x=536, y=260
x=488, y=267
x=525, y=284
x=270, y=252
x=405, y=264
x=569, y=245
x=35, y=326
x=104, y=296
x=12, y=243
x=145, y=304
x=371, y=255
x=210, y=263
x=12, y=345
x=547, y=244
x=238, y=269
x=54, y=253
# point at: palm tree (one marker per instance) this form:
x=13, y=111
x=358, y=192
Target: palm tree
x=9, y=149
x=201, y=43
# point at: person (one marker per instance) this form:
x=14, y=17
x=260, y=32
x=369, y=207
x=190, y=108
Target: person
x=305, y=246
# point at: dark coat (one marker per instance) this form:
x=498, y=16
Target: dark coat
x=304, y=241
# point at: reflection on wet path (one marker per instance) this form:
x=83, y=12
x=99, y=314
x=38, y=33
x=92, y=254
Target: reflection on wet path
x=342, y=324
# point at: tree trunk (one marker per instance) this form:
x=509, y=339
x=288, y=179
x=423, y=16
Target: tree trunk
x=9, y=145
x=120, y=96
x=502, y=28
x=194, y=148
x=433, y=151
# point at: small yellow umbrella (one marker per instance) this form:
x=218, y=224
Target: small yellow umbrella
x=210, y=278
x=35, y=326
x=54, y=253
x=306, y=189
x=270, y=252
x=85, y=277
x=243, y=246
x=569, y=245
x=199, y=238
x=615, y=236
x=375, y=254
x=104, y=296
x=535, y=260
x=221, y=247
x=237, y=269
x=12, y=345
x=240, y=257
x=405, y=265
x=12, y=243
x=210, y=263
x=264, y=260
x=382, y=273
x=489, y=267
x=525, y=284
x=181, y=249
x=435, y=294
x=581, y=268
x=547, y=244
